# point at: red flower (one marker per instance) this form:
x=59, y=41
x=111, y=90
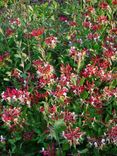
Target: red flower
x=95, y=27
x=114, y=2
x=69, y=116
x=114, y=30
x=15, y=73
x=52, y=109
x=87, y=24
x=89, y=86
x=37, y=32
x=77, y=89
x=60, y=92
x=90, y=9
x=51, y=41
x=72, y=23
x=1, y=58
x=42, y=109
x=102, y=19
x=14, y=95
x=90, y=70
x=113, y=134
x=66, y=70
x=10, y=114
x=9, y=31
x=15, y=21
x=63, y=18
x=92, y=36
x=103, y=5
x=73, y=135
x=108, y=53
x=95, y=101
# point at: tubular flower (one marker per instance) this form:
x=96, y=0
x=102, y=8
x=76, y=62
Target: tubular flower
x=51, y=41
x=11, y=115
x=14, y=95
x=112, y=134
x=37, y=32
x=73, y=135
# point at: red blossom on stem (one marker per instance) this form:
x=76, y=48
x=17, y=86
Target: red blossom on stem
x=103, y=5
x=114, y=2
x=51, y=41
x=11, y=115
x=113, y=134
x=73, y=135
x=9, y=31
x=37, y=32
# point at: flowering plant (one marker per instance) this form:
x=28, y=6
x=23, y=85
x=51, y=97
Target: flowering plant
x=58, y=88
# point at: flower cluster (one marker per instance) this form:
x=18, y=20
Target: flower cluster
x=45, y=73
x=14, y=95
x=10, y=115
x=73, y=135
x=113, y=134
x=51, y=41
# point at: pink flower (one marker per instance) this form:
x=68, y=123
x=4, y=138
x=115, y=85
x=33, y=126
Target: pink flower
x=95, y=27
x=90, y=70
x=60, y=92
x=89, y=86
x=92, y=36
x=86, y=24
x=77, y=89
x=95, y=101
x=102, y=19
x=72, y=23
x=91, y=9
x=42, y=109
x=66, y=70
x=108, y=92
x=15, y=73
x=63, y=18
x=15, y=22
x=11, y=115
x=73, y=135
x=1, y=58
x=69, y=116
x=113, y=134
x=44, y=152
x=51, y=41
x=14, y=95
x=9, y=31
x=45, y=73
x=72, y=51
x=52, y=109
x=103, y=5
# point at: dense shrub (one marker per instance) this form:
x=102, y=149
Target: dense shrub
x=58, y=78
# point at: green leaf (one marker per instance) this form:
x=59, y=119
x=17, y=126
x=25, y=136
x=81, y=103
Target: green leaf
x=82, y=81
x=83, y=151
x=84, y=95
x=59, y=126
x=24, y=75
x=27, y=67
x=65, y=146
